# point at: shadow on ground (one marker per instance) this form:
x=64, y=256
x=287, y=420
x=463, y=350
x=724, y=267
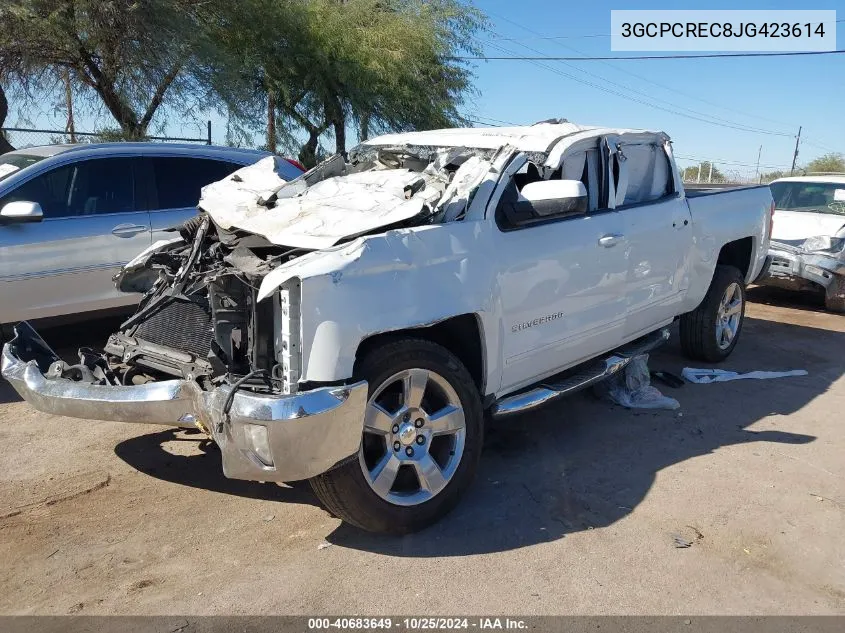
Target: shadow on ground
x=576, y=465
x=798, y=300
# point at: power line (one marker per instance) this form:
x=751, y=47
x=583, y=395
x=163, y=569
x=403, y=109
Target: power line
x=734, y=124
x=641, y=57
x=640, y=77
x=489, y=118
x=697, y=116
x=732, y=163
x=538, y=36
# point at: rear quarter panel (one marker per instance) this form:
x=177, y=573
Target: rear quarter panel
x=721, y=217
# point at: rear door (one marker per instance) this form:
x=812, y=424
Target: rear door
x=658, y=229
x=174, y=186
x=91, y=227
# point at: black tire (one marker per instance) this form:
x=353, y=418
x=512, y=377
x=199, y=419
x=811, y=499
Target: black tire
x=834, y=297
x=698, y=328
x=346, y=492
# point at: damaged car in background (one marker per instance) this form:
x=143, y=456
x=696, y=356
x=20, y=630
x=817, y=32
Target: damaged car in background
x=353, y=326
x=807, y=250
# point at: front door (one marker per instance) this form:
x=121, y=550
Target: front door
x=65, y=263
x=562, y=287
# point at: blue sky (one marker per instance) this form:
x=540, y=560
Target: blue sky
x=774, y=94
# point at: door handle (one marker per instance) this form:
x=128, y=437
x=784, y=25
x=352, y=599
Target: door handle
x=128, y=230
x=610, y=240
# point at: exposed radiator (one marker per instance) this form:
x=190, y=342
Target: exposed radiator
x=181, y=325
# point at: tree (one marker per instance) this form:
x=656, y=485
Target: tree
x=5, y=146
x=131, y=54
x=833, y=162
x=772, y=175
x=327, y=67
x=690, y=174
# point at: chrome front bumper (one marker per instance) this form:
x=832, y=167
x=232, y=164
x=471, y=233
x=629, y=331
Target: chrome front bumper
x=306, y=433
x=791, y=268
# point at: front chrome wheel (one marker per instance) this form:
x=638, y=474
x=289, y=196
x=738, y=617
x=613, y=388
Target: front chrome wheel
x=728, y=316
x=414, y=436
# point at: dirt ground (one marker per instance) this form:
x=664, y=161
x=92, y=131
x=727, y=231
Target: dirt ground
x=576, y=509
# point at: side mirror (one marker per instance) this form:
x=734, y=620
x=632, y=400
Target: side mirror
x=21, y=211
x=555, y=197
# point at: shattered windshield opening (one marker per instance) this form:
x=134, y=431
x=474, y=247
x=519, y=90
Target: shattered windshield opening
x=378, y=189
x=809, y=197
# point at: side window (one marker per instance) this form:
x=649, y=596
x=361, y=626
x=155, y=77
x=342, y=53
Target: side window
x=50, y=190
x=648, y=174
x=101, y=186
x=84, y=188
x=179, y=180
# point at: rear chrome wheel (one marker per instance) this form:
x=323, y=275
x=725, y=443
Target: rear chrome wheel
x=421, y=443
x=711, y=331
x=729, y=315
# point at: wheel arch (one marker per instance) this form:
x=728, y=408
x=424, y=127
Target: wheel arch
x=461, y=334
x=738, y=254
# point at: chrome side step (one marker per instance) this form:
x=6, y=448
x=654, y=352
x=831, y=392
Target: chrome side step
x=577, y=378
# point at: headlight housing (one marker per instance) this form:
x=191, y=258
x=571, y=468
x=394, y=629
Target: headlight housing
x=823, y=244
x=288, y=338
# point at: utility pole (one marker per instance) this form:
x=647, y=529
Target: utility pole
x=698, y=179
x=795, y=155
x=710, y=175
x=757, y=173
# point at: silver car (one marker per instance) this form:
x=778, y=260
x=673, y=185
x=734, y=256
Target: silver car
x=72, y=215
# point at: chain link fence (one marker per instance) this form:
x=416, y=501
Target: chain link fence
x=20, y=138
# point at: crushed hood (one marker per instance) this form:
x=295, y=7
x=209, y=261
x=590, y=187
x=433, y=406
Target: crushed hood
x=318, y=215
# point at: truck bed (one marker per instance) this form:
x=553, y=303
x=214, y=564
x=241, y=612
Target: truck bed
x=698, y=190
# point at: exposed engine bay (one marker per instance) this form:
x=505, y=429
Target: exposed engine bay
x=200, y=318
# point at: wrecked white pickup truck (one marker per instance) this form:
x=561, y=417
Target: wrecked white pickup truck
x=353, y=326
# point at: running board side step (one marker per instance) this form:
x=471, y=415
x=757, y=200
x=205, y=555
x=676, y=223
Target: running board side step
x=577, y=378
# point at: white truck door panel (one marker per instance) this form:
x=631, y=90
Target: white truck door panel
x=562, y=293
x=659, y=236
x=658, y=230
x=65, y=263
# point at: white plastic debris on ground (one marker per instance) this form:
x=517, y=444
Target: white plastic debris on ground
x=321, y=215
x=705, y=376
x=632, y=388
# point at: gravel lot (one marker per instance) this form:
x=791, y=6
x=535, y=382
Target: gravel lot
x=576, y=509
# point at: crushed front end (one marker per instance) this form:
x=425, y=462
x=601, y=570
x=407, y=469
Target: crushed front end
x=202, y=351
x=816, y=263
x=206, y=348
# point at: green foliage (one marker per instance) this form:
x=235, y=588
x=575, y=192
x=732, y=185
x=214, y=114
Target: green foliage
x=133, y=55
x=690, y=174
x=833, y=162
x=311, y=68
x=329, y=65
x=769, y=176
